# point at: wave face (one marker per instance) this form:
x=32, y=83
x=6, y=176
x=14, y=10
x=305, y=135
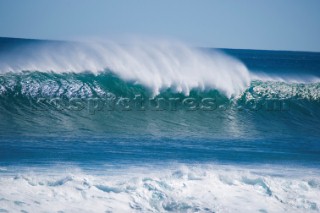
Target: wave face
x=102, y=103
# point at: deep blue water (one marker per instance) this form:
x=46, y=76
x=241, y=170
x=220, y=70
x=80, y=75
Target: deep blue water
x=90, y=151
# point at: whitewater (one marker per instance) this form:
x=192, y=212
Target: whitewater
x=178, y=188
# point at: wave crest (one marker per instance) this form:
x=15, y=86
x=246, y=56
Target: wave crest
x=88, y=85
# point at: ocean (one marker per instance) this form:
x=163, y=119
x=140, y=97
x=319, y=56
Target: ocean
x=157, y=126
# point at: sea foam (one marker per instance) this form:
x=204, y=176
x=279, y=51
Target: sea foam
x=180, y=188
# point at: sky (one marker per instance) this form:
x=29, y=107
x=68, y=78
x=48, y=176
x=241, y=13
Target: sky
x=244, y=24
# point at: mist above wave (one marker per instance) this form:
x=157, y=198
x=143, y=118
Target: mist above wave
x=156, y=65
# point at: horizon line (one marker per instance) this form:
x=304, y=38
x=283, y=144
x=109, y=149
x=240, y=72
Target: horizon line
x=201, y=47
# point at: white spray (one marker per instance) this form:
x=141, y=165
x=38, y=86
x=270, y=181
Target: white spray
x=157, y=65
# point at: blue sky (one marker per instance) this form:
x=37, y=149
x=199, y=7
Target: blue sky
x=249, y=24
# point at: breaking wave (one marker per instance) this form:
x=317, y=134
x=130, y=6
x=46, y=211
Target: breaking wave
x=35, y=70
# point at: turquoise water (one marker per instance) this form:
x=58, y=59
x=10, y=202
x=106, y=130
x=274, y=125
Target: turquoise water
x=157, y=127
